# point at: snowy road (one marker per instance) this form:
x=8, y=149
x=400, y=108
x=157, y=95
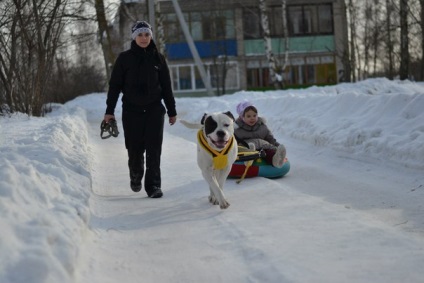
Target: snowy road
x=331, y=219
x=350, y=210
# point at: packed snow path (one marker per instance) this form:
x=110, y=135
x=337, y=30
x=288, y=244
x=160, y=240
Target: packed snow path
x=331, y=219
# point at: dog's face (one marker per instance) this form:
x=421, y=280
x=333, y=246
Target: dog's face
x=218, y=129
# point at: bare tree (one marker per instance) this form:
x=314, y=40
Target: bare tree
x=160, y=33
x=275, y=79
x=404, y=40
x=386, y=38
x=389, y=41
x=422, y=38
x=352, y=14
x=366, y=38
x=104, y=36
x=376, y=33
x=220, y=66
x=285, y=36
x=372, y=36
x=29, y=40
x=39, y=48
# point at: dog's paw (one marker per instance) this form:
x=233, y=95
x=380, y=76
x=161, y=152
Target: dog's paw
x=213, y=200
x=224, y=205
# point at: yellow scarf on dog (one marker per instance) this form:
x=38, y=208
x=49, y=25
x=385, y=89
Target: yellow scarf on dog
x=220, y=159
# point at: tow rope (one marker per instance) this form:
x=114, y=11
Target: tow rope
x=248, y=157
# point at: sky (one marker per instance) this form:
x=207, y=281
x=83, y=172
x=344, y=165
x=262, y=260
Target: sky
x=351, y=209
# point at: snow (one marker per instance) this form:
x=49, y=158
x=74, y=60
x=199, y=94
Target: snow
x=350, y=209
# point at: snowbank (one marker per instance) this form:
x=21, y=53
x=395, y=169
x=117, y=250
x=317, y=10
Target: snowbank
x=44, y=191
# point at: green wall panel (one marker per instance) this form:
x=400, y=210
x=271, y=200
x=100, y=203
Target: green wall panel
x=297, y=44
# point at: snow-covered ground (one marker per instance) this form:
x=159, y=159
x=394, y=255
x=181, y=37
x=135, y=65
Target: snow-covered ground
x=351, y=209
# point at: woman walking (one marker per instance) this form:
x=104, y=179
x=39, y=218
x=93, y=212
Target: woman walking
x=142, y=75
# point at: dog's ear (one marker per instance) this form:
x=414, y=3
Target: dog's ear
x=203, y=119
x=229, y=114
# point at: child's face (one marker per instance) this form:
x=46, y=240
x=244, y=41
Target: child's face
x=250, y=117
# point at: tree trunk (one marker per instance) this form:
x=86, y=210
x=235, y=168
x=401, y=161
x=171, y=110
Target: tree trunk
x=268, y=46
x=367, y=44
x=104, y=37
x=352, y=40
x=376, y=34
x=389, y=41
x=160, y=34
x=404, y=40
x=286, y=40
x=38, y=26
x=422, y=39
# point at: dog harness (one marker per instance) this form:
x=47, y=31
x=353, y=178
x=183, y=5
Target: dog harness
x=220, y=159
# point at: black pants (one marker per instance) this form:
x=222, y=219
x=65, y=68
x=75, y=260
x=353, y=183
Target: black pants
x=143, y=131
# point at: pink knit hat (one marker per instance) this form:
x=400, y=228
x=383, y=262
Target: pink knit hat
x=242, y=106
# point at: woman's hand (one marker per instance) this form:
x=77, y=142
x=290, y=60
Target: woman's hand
x=108, y=117
x=172, y=120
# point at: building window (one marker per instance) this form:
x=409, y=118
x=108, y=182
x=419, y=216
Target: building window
x=326, y=74
x=187, y=77
x=196, y=26
x=313, y=70
x=224, y=73
x=251, y=23
x=295, y=20
x=218, y=25
x=302, y=20
x=184, y=79
x=172, y=28
x=258, y=78
x=310, y=19
x=276, y=21
x=325, y=19
x=230, y=31
x=202, y=25
x=312, y=74
x=198, y=79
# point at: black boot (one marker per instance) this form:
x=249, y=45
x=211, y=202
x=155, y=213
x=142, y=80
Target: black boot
x=135, y=182
x=135, y=187
x=154, y=192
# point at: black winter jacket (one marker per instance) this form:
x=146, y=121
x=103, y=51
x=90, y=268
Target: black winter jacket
x=142, y=75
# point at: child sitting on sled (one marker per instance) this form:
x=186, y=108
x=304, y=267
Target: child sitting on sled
x=253, y=131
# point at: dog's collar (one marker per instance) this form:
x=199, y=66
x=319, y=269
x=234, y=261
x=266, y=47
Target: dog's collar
x=220, y=159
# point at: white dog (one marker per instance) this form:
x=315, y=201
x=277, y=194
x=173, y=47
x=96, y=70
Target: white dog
x=216, y=152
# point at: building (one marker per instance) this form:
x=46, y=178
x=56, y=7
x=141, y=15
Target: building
x=228, y=36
